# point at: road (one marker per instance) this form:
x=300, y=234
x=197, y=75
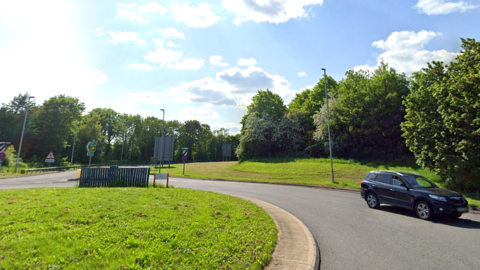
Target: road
x=349, y=234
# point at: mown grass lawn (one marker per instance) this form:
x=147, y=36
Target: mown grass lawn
x=312, y=172
x=131, y=228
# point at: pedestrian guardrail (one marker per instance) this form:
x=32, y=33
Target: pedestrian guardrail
x=26, y=171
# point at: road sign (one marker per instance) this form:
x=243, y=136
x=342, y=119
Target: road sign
x=184, y=158
x=92, y=146
x=4, y=146
x=164, y=153
x=2, y=156
x=50, y=158
x=90, y=154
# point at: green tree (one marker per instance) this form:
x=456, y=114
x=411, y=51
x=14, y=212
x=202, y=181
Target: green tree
x=366, y=122
x=90, y=130
x=189, y=134
x=442, y=126
x=312, y=100
x=266, y=103
x=110, y=128
x=55, y=123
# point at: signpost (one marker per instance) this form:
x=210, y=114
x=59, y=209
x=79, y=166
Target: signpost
x=50, y=159
x=163, y=149
x=91, y=148
x=3, y=147
x=226, y=152
x=184, y=157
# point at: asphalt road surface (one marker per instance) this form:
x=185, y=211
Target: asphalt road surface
x=349, y=234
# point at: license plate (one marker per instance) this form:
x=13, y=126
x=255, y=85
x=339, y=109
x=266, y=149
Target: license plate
x=462, y=209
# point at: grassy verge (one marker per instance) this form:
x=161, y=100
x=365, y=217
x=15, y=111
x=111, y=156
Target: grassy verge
x=131, y=228
x=315, y=172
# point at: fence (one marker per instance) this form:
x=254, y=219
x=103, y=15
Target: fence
x=114, y=177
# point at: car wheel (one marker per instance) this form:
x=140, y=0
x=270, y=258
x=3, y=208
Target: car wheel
x=372, y=200
x=423, y=210
x=455, y=216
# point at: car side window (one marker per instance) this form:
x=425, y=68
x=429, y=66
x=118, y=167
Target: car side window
x=384, y=178
x=371, y=177
x=396, y=181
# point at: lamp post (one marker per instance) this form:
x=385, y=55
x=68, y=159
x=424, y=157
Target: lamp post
x=74, y=139
x=23, y=131
x=163, y=144
x=328, y=122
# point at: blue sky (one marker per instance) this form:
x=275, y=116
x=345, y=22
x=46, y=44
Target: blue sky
x=205, y=60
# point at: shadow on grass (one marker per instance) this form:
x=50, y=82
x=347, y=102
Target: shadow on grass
x=445, y=220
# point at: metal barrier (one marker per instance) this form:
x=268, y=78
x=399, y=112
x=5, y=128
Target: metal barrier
x=114, y=177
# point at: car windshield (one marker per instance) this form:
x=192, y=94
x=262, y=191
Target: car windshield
x=419, y=181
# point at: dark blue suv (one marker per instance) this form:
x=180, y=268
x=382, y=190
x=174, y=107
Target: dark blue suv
x=411, y=191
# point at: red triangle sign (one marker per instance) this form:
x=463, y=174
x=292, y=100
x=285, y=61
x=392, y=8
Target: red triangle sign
x=51, y=156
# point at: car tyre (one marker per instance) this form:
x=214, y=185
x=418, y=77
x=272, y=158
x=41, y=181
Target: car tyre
x=455, y=215
x=423, y=210
x=372, y=200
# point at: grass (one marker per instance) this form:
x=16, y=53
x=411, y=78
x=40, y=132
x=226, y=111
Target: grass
x=312, y=172
x=131, y=228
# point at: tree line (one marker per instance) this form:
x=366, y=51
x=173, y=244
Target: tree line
x=59, y=121
x=432, y=117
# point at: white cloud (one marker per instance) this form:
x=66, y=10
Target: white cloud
x=142, y=14
x=233, y=128
x=200, y=113
x=152, y=8
x=216, y=60
x=205, y=91
x=404, y=51
x=172, y=33
x=125, y=37
x=99, y=31
x=231, y=87
x=130, y=103
x=301, y=74
x=441, y=7
x=309, y=87
x=171, y=44
x=97, y=77
x=140, y=67
x=188, y=64
x=273, y=11
x=247, y=62
x=163, y=56
x=158, y=42
x=201, y=16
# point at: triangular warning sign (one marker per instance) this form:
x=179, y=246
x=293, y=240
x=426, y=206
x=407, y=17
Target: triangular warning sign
x=51, y=156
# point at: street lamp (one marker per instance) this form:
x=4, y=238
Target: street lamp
x=163, y=138
x=23, y=130
x=328, y=121
x=74, y=139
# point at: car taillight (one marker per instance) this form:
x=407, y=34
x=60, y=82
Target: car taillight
x=361, y=182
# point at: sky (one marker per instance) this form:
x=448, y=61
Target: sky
x=205, y=60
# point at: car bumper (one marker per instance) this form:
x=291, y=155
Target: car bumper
x=447, y=209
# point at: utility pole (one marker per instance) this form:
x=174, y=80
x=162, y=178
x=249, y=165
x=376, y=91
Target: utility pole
x=74, y=139
x=328, y=121
x=23, y=131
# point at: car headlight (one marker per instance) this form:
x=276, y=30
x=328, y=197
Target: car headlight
x=438, y=198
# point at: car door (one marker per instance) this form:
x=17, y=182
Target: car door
x=399, y=194
x=381, y=187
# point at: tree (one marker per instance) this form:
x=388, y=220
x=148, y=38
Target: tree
x=189, y=135
x=312, y=100
x=18, y=104
x=90, y=130
x=266, y=103
x=442, y=124
x=55, y=122
x=110, y=129
x=366, y=122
